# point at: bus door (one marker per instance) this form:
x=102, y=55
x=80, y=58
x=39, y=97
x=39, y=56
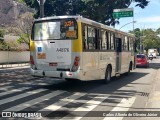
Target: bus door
x=118, y=54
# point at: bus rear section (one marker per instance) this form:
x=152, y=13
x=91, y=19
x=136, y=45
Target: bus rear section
x=52, y=48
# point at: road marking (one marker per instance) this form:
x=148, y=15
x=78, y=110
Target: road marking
x=36, y=83
x=6, y=88
x=34, y=101
x=124, y=105
x=10, y=99
x=88, y=106
x=6, y=83
x=14, y=90
x=91, y=104
x=61, y=103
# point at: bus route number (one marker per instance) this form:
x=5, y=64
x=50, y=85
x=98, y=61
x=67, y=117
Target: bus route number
x=68, y=23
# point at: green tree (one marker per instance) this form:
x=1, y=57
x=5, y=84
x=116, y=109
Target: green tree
x=1, y=33
x=150, y=39
x=101, y=11
x=158, y=31
x=23, y=28
x=98, y=10
x=1, y=38
x=137, y=32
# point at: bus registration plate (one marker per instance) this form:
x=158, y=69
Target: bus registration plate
x=53, y=64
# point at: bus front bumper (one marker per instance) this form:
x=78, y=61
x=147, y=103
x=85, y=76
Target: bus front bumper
x=56, y=74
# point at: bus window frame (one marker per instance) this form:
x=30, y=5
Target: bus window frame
x=108, y=34
x=99, y=48
x=112, y=40
x=40, y=21
x=104, y=39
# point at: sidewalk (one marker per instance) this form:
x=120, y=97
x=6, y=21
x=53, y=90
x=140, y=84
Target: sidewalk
x=4, y=66
x=154, y=99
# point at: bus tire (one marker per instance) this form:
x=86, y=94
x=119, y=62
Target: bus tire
x=108, y=75
x=71, y=80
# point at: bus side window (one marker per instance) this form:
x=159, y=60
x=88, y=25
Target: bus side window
x=104, y=40
x=98, y=39
x=112, y=41
x=84, y=37
x=91, y=41
x=109, y=40
x=126, y=43
x=131, y=44
x=123, y=43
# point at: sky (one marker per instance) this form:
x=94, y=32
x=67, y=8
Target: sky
x=149, y=17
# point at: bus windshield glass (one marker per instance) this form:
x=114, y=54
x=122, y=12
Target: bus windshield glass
x=55, y=29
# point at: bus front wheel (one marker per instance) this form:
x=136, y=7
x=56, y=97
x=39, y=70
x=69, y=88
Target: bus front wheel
x=108, y=75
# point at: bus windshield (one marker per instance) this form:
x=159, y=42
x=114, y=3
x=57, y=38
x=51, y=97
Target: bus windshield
x=55, y=29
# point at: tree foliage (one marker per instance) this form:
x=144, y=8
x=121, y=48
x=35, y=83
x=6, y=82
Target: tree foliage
x=98, y=10
x=20, y=1
x=1, y=38
x=158, y=31
x=137, y=33
x=149, y=38
x=1, y=33
x=23, y=28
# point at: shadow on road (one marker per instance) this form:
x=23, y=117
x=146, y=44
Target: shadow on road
x=91, y=88
x=20, y=76
x=97, y=86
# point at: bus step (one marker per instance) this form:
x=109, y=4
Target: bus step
x=117, y=74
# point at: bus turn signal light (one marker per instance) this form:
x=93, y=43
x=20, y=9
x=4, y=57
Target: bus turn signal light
x=76, y=64
x=32, y=60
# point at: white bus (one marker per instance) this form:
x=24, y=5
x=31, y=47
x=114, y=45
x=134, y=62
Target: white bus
x=73, y=47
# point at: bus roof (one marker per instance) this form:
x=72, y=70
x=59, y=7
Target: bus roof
x=87, y=21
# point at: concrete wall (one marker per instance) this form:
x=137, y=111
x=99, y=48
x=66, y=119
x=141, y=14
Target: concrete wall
x=14, y=56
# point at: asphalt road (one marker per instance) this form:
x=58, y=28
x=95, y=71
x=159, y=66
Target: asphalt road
x=23, y=93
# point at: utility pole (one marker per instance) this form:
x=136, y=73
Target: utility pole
x=41, y=8
x=133, y=22
x=140, y=44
